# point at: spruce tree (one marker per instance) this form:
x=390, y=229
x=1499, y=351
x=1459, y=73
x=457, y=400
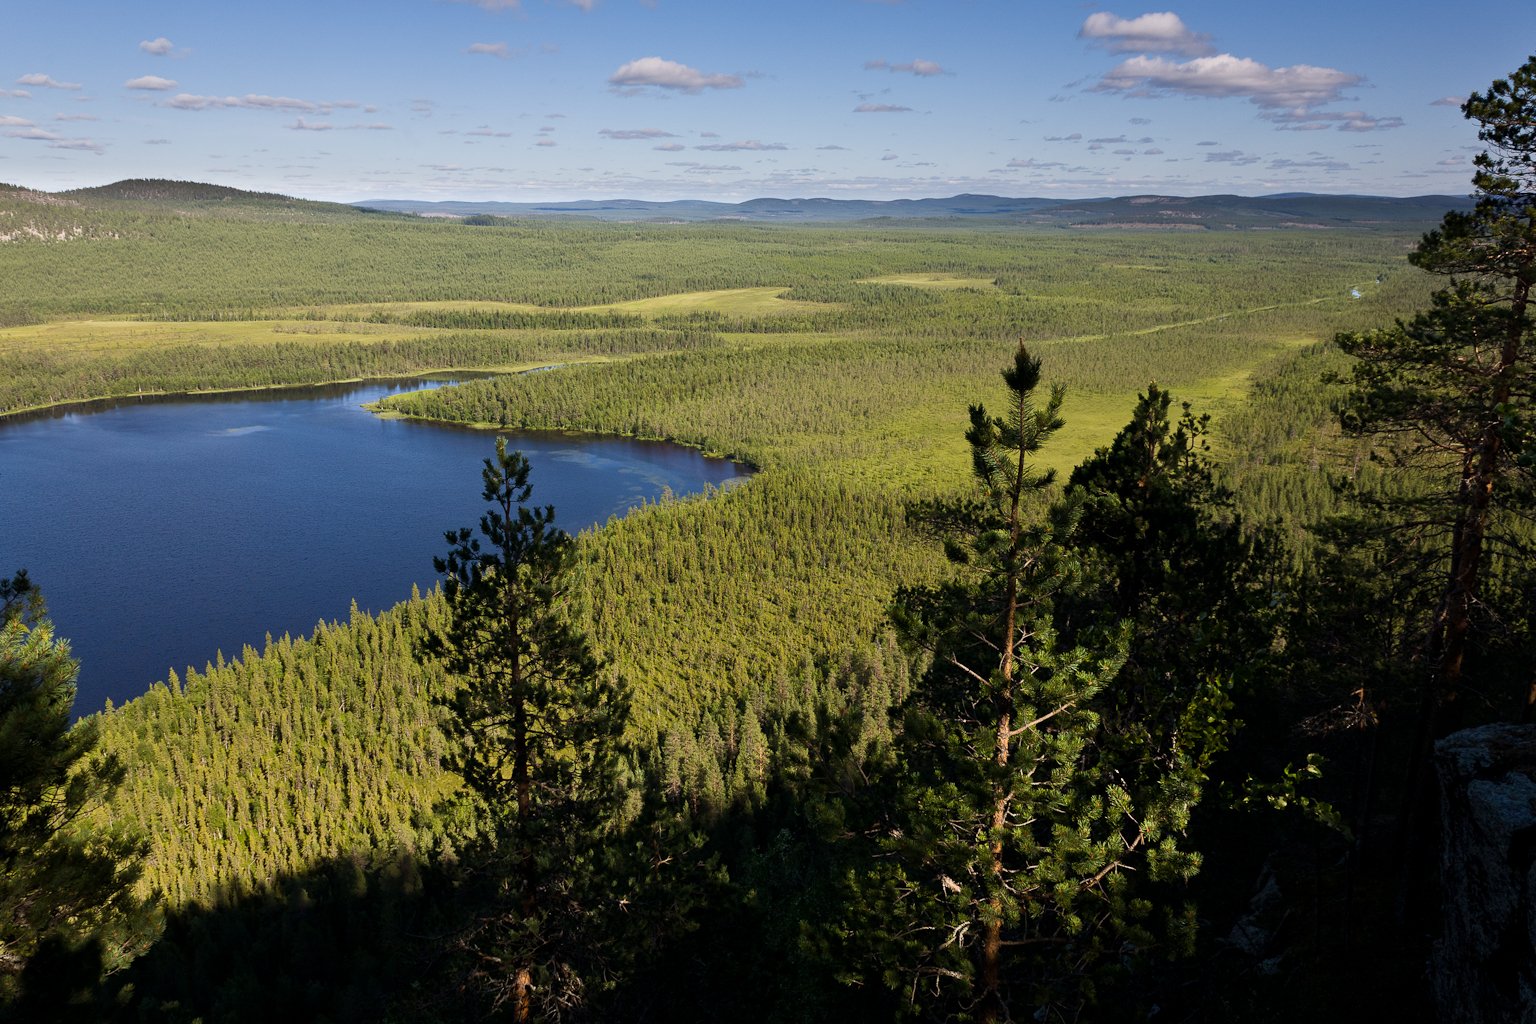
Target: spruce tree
x=64, y=886
x=535, y=723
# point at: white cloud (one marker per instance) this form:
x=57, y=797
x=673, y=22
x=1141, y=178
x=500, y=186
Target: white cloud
x=880, y=108
x=636, y=133
x=76, y=117
x=921, y=68
x=1225, y=76
x=152, y=82
x=1448, y=101
x=1031, y=164
x=12, y=121
x=546, y=142
x=490, y=49
x=302, y=125
x=1315, y=164
x=1231, y=156
x=1344, y=121
x=36, y=134
x=670, y=147
x=1163, y=32
x=834, y=146
x=46, y=81
x=159, y=46
x=253, y=101
x=492, y=5
x=750, y=145
x=585, y=5
x=668, y=74
x=19, y=94
x=488, y=132
x=87, y=145
x=1074, y=137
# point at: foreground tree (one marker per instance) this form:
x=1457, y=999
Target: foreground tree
x=1448, y=394
x=63, y=886
x=1007, y=853
x=536, y=723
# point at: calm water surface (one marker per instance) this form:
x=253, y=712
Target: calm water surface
x=163, y=532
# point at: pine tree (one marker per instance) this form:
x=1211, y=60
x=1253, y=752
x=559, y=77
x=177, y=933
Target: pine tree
x=535, y=724
x=1002, y=876
x=64, y=887
x=1448, y=394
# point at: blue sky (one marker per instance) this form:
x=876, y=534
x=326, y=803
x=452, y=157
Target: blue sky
x=540, y=100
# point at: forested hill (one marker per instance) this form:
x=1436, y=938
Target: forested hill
x=1290, y=211
x=1295, y=211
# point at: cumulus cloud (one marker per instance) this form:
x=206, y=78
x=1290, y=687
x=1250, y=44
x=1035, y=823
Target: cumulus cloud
x=302, y=125
x=153, y=83
x=1163, y=32
x=1031, y=164
x=546, y=142
x=1448, y=101
x=832, y=147
x=1225, y=76
x=12, y=121
x=20, y=94
x=1074, y=137
x=159, y=46
x=157, y=142
x=749, y=146
x=254, y=101
x=76, y=117
x=489, y=49
x=669, y=74
x=636, y=133
x=921, y=68
x=46, y=81
x=880, y=108
x=488, y=132
x=671, y=147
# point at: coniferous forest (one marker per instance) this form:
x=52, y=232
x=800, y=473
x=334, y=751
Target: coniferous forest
x=1093, y=641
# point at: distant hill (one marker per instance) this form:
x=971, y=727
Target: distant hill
x=162, y=190
x=1287, y=211
x=1173, y=213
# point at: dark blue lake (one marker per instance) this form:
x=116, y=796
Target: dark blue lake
x=164, y=531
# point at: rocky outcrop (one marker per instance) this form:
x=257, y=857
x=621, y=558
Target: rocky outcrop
x=1484, y=968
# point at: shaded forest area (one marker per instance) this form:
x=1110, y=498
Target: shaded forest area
x=945, y=715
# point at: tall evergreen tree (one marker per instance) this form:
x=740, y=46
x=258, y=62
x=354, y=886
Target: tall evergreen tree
x=535, y=722
x=1002, y=880
x=1449, y=393
x=64, y=887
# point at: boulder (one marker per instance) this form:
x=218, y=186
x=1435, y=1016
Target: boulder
x=1484, y=964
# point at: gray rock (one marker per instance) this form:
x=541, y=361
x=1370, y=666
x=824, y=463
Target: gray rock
x=1484, y=965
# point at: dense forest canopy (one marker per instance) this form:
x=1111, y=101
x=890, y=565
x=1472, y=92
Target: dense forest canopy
x=1077, y=653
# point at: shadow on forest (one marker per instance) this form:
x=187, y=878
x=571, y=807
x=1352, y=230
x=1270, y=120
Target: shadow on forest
x=348, y=940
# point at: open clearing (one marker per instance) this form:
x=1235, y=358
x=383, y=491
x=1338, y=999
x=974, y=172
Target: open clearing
x=937, y=280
